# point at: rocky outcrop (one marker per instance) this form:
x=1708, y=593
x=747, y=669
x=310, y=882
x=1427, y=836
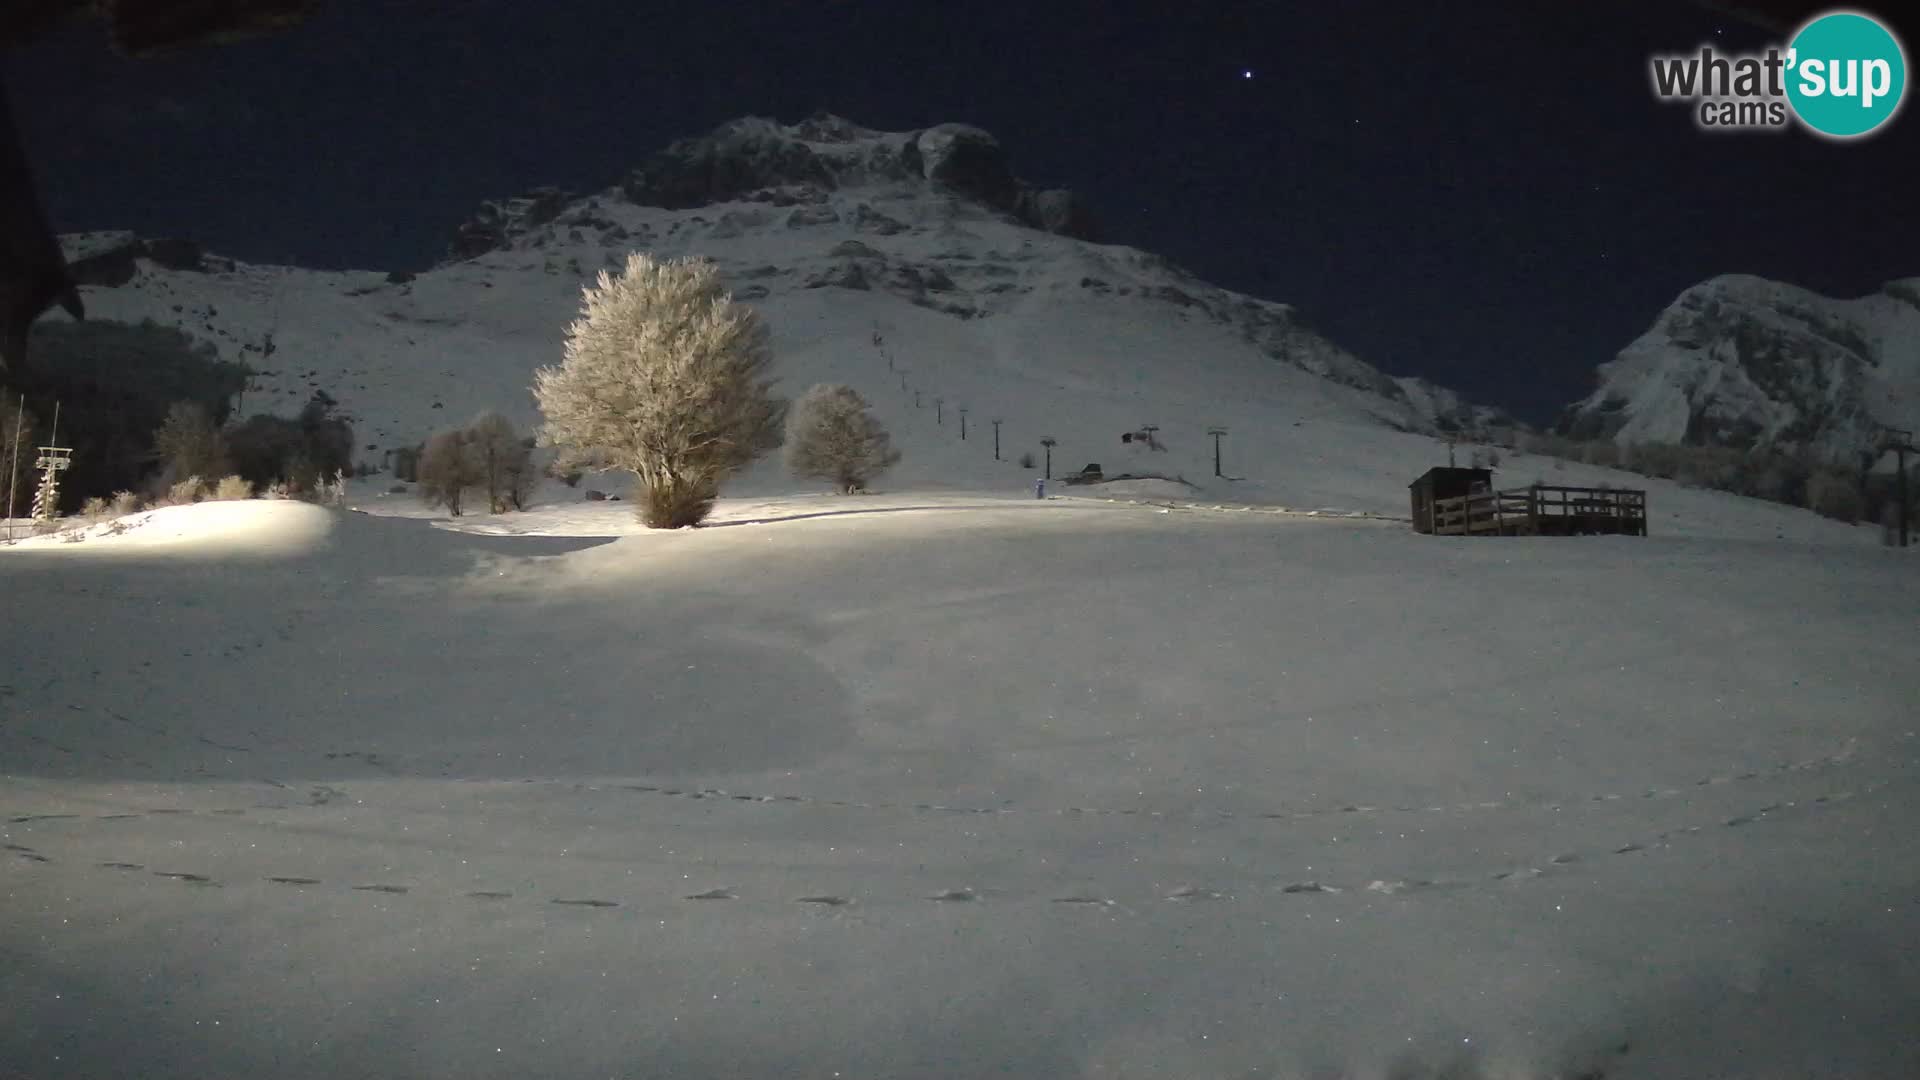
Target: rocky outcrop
x=499, y=221
x=1742, y=362
x=111, y=259
x=764, y=161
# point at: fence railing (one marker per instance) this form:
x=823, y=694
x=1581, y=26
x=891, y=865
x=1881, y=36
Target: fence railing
x=1542, y=508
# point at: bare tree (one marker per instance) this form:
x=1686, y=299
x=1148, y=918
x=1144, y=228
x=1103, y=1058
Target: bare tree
x=832, y=436
x=666, y=377
x=447, y=469
x=503, y=459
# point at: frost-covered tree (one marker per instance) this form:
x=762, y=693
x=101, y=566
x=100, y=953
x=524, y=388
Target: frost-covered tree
x=503, y=460
x=447, y=469
x=664, y=376
x=832, y=436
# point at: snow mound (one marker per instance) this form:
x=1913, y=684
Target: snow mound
x=263, y=526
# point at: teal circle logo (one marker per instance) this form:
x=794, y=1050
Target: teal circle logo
x=1846, y=74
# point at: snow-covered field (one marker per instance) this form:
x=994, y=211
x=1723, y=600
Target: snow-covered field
x=956, y=783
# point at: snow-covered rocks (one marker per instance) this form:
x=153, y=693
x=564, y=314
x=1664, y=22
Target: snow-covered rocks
x=1743, y=361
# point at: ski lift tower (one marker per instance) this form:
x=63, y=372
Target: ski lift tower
x=53, y=461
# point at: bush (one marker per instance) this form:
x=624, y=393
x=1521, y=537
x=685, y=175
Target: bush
x=96, y=509
x=232, y=489
x=446, y=470
x=1026, y=460
x=1835, y=495
x=185, y=492
x=831, y=436
x=295, y=453
x=667, y=377
x=503, y=461
x=126, y=502
x=189, y=442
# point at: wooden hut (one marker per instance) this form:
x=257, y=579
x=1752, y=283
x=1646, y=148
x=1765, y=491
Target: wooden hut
x=1445, y=482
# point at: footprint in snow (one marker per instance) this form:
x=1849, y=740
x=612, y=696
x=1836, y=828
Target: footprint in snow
x=1308, y=887
x=32, y=856
x=1097, y=901
x=1190, y=893
x=395, y=889
x=294, y=880
x=191, y=879
x=487, y=894
x=121, y=866
x=585, y=903
x=828, y=901
x=714, y=894
x=955, y=896
x=1562, y=860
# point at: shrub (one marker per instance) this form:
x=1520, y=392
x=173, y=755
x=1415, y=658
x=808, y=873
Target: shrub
x=1835, y=495
x=294, y=452
x=667, y=377
x=185, y=492
x=1026, y=460
x=190, y=443
x=126, y=502
x=96, y=509
x=831, y=436
x=232, y=489
x=502, y=460
x=446, y=470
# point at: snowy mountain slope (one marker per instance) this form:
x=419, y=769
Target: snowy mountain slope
x=1051, y=334
x=1740, y=361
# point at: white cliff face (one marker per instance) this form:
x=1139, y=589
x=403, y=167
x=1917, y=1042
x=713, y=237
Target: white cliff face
x=1742, y=361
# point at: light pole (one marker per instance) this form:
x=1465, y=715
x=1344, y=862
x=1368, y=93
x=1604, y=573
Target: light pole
x=1216, y=432
x=939, y=414
x=1049, y=442
x=996, y=440
x=916, y=399
x=963, y=423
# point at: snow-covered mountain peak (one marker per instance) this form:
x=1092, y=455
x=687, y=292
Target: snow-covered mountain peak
x=757, y=160
x=1741, y=361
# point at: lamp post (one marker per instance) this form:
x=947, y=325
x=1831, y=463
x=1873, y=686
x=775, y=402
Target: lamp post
x=963, y=423
x=996, y=440
x=1216, y=432
x=939, y=414
x=1049, y=442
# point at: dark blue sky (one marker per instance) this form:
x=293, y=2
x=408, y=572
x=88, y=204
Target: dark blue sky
x=1490, y=198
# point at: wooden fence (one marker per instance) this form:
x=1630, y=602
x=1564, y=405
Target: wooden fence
x=1543, y=510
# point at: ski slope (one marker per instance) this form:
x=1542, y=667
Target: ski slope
x=946, y=783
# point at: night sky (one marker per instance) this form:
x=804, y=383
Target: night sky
x=1491, y=198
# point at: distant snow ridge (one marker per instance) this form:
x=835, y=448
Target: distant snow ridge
x=1742, y=361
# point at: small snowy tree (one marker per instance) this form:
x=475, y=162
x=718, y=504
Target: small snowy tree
x=832, y=436
x=664, y=376
x=447, y=468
